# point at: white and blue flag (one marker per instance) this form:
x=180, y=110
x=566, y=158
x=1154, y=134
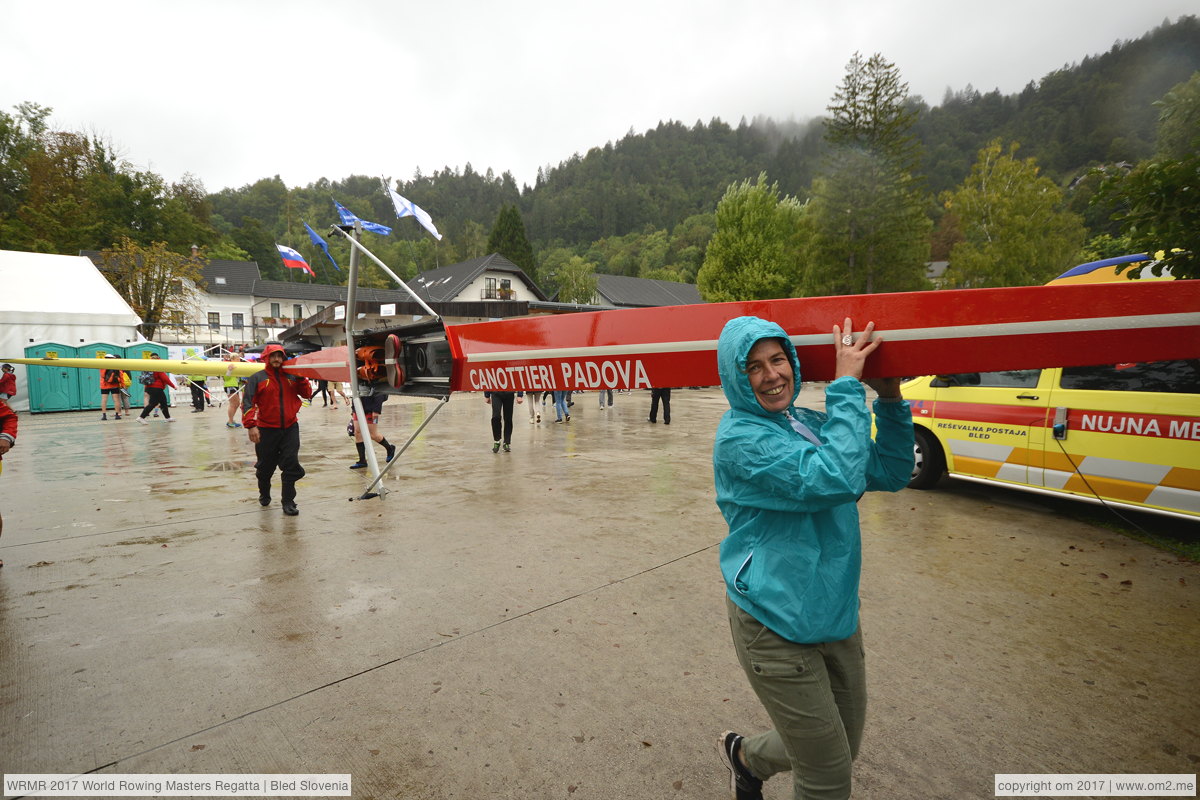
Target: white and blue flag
x=405, y=208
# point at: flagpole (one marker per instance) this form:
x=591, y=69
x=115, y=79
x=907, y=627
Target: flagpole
x=356, y=246
x=360, y=415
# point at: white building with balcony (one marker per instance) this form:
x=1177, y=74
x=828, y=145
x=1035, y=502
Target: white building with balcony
x=492, y=277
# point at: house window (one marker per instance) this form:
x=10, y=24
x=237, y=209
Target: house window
x=238, y=321
x=320, y=309
x=214, y=320
x=506, y=290
x=490, y=289
x=275, y=310
x=297, y=311
x=220, y=281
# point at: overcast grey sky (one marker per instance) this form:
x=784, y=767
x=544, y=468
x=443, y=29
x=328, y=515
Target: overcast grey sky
x=236, y=90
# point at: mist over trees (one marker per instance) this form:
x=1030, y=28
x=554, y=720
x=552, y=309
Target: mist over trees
x=874, y=191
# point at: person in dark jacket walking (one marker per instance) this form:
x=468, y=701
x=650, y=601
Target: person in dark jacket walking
x=502, y=416
x=156, y=392
x=665, y=396
x=270, y=400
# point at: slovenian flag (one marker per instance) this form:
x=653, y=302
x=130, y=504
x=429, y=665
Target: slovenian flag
x=293, y=260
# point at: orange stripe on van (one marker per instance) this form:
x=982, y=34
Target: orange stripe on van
x=1058, y=460
x=976, y=466
x=1182, y=478
x=1129, y=491
x=1023, y=455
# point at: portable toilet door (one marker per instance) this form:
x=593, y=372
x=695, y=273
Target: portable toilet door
x=52, y=388
x=89, y=379
x=137, y=393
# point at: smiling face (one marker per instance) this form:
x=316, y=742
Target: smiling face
x=770, y=372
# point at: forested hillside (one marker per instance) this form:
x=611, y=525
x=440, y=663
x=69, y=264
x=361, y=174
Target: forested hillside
x=606, y=203
x=645, y=205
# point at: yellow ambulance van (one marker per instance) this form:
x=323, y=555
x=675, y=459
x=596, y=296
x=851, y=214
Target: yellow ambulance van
x=1121, y=434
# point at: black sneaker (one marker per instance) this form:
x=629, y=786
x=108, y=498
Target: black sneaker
x=742, y=785
x=507, y=447
x=359, y=465
x=496, y=447
x=264, y=499
x=391, y=452
x=291, y=510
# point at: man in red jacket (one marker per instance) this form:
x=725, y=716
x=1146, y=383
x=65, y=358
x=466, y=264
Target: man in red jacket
x=8, y=437
x=156, y=394
x=270, y=400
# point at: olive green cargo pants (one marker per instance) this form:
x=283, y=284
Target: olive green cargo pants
x=816, y=696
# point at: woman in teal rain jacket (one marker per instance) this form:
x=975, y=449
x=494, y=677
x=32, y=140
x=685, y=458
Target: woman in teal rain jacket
x=787, y=482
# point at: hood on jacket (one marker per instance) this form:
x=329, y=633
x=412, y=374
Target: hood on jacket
x=738, y=337
x=273, y=348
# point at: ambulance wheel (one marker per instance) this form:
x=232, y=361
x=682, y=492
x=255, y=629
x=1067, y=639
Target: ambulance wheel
x=930, y=461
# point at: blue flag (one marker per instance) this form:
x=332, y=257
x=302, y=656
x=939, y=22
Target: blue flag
x=347, y=217
x=319, y=242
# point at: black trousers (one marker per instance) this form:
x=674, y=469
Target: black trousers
x=158, y=399
x=503, y=403
x=665, y=396
x=279, y=447
x=197, y=395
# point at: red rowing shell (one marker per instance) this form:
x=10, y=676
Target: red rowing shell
x=937, y=332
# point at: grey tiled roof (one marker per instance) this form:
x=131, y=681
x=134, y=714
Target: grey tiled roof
x=239, y=276
x=627, y=292
x=438, y=285
x=446, y=283
x=323, y=292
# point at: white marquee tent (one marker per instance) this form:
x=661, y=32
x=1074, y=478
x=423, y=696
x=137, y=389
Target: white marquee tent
x=53, y=298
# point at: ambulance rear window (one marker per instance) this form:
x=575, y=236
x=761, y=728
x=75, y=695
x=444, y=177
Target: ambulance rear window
x=1174, y=377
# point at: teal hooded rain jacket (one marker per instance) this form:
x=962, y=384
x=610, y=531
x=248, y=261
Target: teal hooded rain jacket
x=793, y=555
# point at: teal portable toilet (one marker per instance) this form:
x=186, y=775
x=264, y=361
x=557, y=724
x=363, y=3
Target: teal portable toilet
x=137, y=394
x=89, y=379
x=52, y=388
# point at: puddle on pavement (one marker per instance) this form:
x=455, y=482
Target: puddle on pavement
x=229, y=466
x=152, y=539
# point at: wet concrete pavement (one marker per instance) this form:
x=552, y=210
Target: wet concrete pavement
x=546, y=623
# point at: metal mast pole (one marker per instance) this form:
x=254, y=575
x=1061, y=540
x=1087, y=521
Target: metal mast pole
x=360, y=416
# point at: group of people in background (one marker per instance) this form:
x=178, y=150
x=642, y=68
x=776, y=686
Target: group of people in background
x=116, y=385
x=502, y=404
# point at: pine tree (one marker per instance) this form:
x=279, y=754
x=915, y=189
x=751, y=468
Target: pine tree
x=509, y=240
x=871, y=233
